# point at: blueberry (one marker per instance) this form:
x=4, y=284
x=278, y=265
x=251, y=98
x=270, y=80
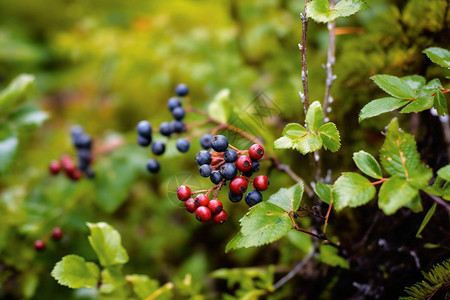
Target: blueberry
x=219, y=143
x=181, y=90
x=204, y=170
x=203, y=157
x=230, y=155
x=253, y=198
x=158, y=148
x=247, y=174
x=153, y=166
x=234, y=197
x=144, y=128
x=177, y=126
x=165, y=129
x=255, y=166
x=76, y=131
x=84, y=159
x=178, y=113
x=83, y=141
x=205, y=141
x=143, y=141
x=173, y=102
x=215, y=177
x=228, y=171
x=183, y=145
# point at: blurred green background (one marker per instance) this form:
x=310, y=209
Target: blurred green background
x=106, y=65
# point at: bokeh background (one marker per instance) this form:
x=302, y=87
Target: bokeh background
x=106, y=65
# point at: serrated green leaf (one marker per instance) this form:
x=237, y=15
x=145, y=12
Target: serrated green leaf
x=220, y=109
x=415, y=205
x=423, y=102
x=113, y=283
x=394, y=86
x=73, y=271
x=444, y=173
x=323, y=191
x=420, y=177
x=416, y=82
x=300, y=240
x=432, y=86
x=367, y=164
x=295, y=136
x=106, y=242
x=426, y=219
x=330, y=136
x=294, y=130
x=380, y=106
x=8, y=149
x=314, y=116
x=352, y=190
x=16, y=93
x=319, y=10
x=394, y=194
x=235, y=243
x=288, y=199
x=28, y=115
x=329, y=255
x=439, y=56
x=440, y=104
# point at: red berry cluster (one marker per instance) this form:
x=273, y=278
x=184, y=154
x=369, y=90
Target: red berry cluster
x=67, y=165
x=56, y=235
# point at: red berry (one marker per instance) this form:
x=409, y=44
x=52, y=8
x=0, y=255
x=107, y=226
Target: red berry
x=75, y=175
x=201, y=200
x=183, y=193
x=39, y=245
x=215, y=206
x=203, y=214
x=57, y=234
x=261, y=183
x=190, y=205
x=238, y=185
x=220, y=218
x=256, y=151
x=54, y=167
x=244, y=163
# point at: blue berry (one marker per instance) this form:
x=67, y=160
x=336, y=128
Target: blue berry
x=228, y=171
x=144, y=128
x=181, y=90
x=230, y=155
x=247, y=174
x=203, y=157
x=89, y=173
x=158, y=148
x=165, y=129
x=177, y=126
x=76, y=131
x=204, y=170
x=183, y=145
x=215, y=177
x=153, y=166
x=234, y=197
x=173, y=102
x=205, y=141
x=143, y=141
x=178, y=113
x=83, y=141
x=253, y=198
x=84, y=159
x=255, y=166
x=219, y=143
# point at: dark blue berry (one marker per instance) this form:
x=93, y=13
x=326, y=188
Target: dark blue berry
x=215, y=177
x=143, y=141
x=234, y=197
x=219, y=143
x=178, y=113
x=204, y=170
x=84, y=159
x=181, y=90
x=253, y=198
x=153, y=166
x=89, y=173
x=76, y=131
x=177, y=126
x=228, y=171
x=165, y=129
x=203, y=157
x=158, y=147
x=230, y=155
x=247, y=174
x=205, y=141
x=144, y=128
x=173, y=102
x=83, y=141
x=255, y=166
x=183, y=145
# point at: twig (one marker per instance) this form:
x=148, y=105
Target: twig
x=331, y=59
x=295, y=270
x=439, y=201
x=304, y=96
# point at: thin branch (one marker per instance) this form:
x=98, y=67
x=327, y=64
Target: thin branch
x=439, y=201
x=331, y=60
x=304, y=96
x=295, y=270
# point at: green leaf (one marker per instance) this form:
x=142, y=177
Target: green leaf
x=143, y=285
x=444, y=173
x=432, y=86
x=330, y=136
x=294, y=130
x=423, y=102
x=319, y=10
x=380, y=106
x=416, y=82
x=295, y=136
x=395, y=193
x=288, y=199
x=394, y=86
x=314, y=116
x=440, y=104
x=367, y=164
x=113, y=282
x=352, y=190
x=421, y=176
x=426, y=220
x=323, y=191
x=439, y=56
x=73, y=271
x=28, y=116
x=220, y=107
x=16, y=93
x=106, y=242
x=300, y=240
x=8, y=149
x=329, y=255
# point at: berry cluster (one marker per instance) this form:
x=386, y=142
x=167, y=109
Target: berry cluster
x=56, y=235
x=177, y=126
